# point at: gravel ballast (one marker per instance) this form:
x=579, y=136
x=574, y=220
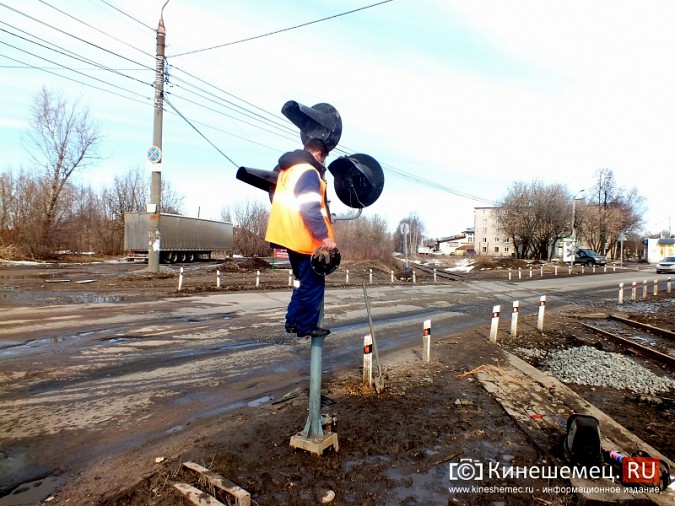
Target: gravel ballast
x=586, y=365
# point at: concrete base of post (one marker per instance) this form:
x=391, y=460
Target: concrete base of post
x=316, y=445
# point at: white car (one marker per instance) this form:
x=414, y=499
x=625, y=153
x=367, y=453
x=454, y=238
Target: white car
x=666, y=265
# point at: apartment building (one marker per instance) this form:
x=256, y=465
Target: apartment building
x=490, y=238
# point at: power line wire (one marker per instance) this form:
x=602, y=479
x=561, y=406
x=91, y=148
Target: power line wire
x=43, y=69
x=62, y=51
x=75, y=37
x=248, y=39
x=128, y=15
x=166, y=100
x=95, y=28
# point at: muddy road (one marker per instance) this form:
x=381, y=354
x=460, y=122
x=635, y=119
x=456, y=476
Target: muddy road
x=87, y=383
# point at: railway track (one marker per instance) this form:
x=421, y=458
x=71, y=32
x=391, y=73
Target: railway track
x=647, y=340
x=441, y=274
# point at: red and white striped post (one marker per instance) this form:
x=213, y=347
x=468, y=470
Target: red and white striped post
x=656, y=287
x=426, y=341
x=633, y=291
x=217, y=278
x=514, y=318
x=368, y=360
x=290, y=277
x=495, y=323
x=644, y=288
x=542, y=310
x=621, y=293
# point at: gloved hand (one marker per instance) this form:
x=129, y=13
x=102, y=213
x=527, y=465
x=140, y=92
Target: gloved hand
x=322, y=254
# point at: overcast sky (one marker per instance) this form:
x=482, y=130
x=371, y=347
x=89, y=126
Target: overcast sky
x=471, y=95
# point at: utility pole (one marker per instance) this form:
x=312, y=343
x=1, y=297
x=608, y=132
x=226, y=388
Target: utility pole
x=155, y=152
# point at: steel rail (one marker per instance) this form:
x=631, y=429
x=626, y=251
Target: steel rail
x=645, y=350
x=644, y=326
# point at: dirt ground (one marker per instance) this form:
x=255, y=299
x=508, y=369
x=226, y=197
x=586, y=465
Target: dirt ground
x=394, y=447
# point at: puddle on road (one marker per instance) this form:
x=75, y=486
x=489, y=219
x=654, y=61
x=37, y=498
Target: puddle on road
x=260, y=401
x=33, y=492
x=32, y=298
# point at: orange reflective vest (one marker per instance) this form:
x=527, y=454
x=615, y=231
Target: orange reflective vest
x=286, y=226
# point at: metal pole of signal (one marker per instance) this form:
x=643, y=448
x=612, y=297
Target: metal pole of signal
x=154, y=235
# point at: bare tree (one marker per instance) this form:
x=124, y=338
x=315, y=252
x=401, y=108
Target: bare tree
x=416, y=233
x=610, y=212
x=61, y=139
x=535, y=216
x=171, y=202
x=18, y=218
x=250, y=221
x=365, y=238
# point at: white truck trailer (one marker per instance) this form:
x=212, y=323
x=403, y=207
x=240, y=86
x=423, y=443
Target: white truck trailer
x=182, y=239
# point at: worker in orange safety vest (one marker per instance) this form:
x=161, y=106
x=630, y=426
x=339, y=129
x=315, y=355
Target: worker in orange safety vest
x=300, y=222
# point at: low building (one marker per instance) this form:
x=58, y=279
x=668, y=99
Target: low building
x=658, y=249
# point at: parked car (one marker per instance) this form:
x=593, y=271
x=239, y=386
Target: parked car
x=589, y=257
x=666, y=265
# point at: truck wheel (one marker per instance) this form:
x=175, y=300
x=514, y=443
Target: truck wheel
x=181, y=257
x=190, y=257
x=173, y=257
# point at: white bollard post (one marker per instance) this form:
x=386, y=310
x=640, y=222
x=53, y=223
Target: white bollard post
x=514, y=318
x=621, y=293
x=509, y=274
x=569, y=270
x=257, y=279
x=414, y=277
x=656, y=287
x=180, y=280
x=542, y=310
x=290, y=277
x=541, y=271
x=644, y=288
x=370, y=276
x=426, y=341
x=604, y=269
x=346, y=276
x=217, y=278
x=582, y=269
x=392, y=277
x=434, y=275
x=668, y=286
x=520, y=273
x=593, y=269
x=555, y=270
x=633, y=291
x=495, y=323
x=368, y=360
x=530, y=271
x=613, y=268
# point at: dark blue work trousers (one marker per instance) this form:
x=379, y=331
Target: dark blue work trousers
x=306, y=306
